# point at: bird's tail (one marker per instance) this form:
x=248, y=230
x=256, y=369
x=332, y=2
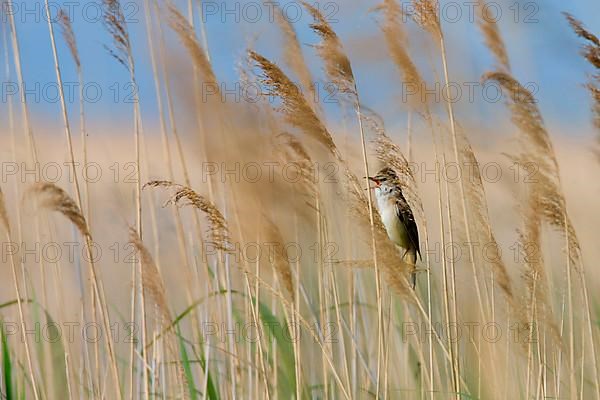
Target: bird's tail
x=410, y=258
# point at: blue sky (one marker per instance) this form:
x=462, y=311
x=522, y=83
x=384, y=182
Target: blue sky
x=542, y=50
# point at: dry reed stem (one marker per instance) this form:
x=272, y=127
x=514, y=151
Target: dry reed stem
x=153, y=270
x=426, y=14
x=27, y=127
x=69, y=36
x=115, y=23
x=6, y=223
x=218, y=232
x=288, y=305
x=186, y=33
x=3, y=212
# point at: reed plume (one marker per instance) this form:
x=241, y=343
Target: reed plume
x=396, y=41
x=493, y=39
x=295, y=109
x=180, y=25
x=69, y=36
x=534, y=274
x=56, y=199
x=591, y=52
x=292, y=150
x=278, y=257
x=337, y=64
x=115, y=23
x=479, y=210
x=292, y=55
x=151, y=279
x=425, y=14
x=218, y=233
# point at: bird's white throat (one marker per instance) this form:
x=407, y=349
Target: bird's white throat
x=386, y=203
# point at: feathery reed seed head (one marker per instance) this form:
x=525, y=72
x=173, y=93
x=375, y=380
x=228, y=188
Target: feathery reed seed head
x=56, y=199
x=69, y=36
x=151, y=280
x=337, y=64
x=116, y=25
x=186, y=34
x=218, y=233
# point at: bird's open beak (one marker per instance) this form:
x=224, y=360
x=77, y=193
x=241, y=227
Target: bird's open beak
x=377, y=183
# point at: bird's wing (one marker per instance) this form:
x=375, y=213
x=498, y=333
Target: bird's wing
x=405, y=215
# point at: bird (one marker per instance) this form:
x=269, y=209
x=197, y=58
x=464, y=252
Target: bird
x=397, y=216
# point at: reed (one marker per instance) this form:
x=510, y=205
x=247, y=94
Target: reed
x=215, y=318
x=6, y=225
x=54, y=198
x=115, y=24
x=492, y=36
x=546, y=201
x=591, y=52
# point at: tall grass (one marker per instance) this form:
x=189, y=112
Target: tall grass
x=289, y=287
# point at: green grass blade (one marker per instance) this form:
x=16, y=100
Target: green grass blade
x=279, y=332
x=187, y=368
x=7, y=367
